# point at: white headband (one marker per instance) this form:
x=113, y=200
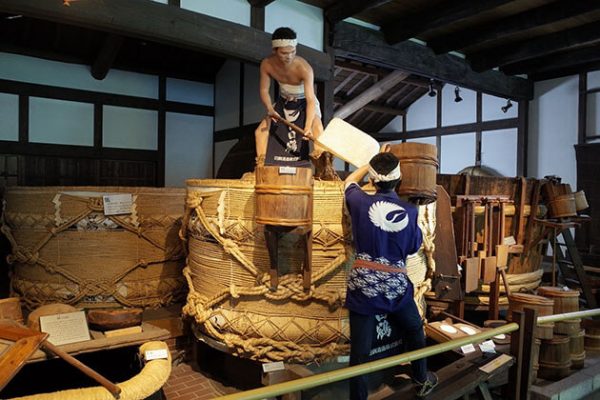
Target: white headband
x=392, y=175
x=284, y=42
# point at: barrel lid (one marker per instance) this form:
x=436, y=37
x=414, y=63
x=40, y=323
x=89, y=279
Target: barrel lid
x=530, y=298
x=557, y=291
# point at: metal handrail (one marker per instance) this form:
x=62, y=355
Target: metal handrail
x=546, y=319
x=350, y=372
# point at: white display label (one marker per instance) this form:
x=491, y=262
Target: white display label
x=65, y=328
x=156, y=354
x=274, y=366
x=468, y=348
x=116, y=204
x=287, y=170
x=343, y=359
x=488, y=346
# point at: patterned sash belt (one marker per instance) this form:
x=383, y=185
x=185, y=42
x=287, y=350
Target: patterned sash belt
x=377, y=266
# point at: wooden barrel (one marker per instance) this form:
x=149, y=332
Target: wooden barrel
x=555, y=358
x=592, y=334
x=581, y=201
x=68, y=247
x=284, y=196
x=419, y=165
x=577, y=349
x=543, y=305
x=565, y=300
x=562, y=206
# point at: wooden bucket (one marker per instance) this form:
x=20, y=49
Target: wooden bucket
x=555, y=358
x=581, y=201
x=544, y=306
x=65, y=249
x=569, y=327
x=419, y=165
x=284, y=196
x=592, y=334
x=565, y=300
x=10, y=308
x=562, y=206
x=577, y=349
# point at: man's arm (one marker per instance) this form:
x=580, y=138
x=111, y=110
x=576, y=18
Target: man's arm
x=309, y=92
x=264, y=91
x=357, y=175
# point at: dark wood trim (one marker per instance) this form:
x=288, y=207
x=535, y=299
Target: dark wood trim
x=365, y=45
x=260, y=3
x=594, y=90
x=98, y=120
x=106, y=56
x=373, y=107
x=257, y=17
x=443, y=14
x=68, y=151
x=592, y=137
x=572, y=67
x=513, y=24
x=534, y=48
x=523, y=138
x=23, y=118
x=234, y=133
x=478, y=130
x=86, y=96
x=342, y=9
x=175, y=3
x=582, y=109
x=241, y=94
x=149, y=20
x=449, y=130
x=162, y=131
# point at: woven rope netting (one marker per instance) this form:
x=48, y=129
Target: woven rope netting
x=227, y=274
x=64, y=249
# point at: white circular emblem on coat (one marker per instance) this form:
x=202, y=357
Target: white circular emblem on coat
x=387, y=216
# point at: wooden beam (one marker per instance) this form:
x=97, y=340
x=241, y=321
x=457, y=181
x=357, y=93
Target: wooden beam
x=582, y=109
x=234, y=133
x=174, y=26
x=372, y=93
x=257, y=17
x=552, y=65
x=538, y=47
x=107, y=55
x=260, y=3
x=449, y=130
x=361, y=44
x=523, y=138
x=443, y=14
x=374, y=107
x=343, y=9
x=504, y=27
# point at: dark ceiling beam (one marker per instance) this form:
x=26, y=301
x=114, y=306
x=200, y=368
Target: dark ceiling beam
x=365, y=45
x=106, y=56
x=342, y=9
x=260, y=3
x=444, y=14
x=373, y=107
x=174, y=26
x=503, y=27
x=540, y=46
x=556, y=62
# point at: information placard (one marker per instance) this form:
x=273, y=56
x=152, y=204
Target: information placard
x=118, y=204
x=65, y=328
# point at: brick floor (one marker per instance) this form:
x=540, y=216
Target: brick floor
x=188, y=383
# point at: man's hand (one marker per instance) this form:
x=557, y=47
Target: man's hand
x=385, y=148
x=308, y=135
x=274, y=115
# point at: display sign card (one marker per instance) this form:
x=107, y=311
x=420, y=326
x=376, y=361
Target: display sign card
x=65, y=328
x=117, y=204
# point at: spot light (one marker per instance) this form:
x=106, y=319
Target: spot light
x=457, y=98
x=432, y=92
x=507, y=106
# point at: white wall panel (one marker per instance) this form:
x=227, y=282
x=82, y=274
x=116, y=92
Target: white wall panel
x=458, y=152
x=454, y=113
x=190, y=92
x=9, y=117
x=61, y=122
x=499, y=151
x=395, y=125
x=304, y=19
x=254, y=110
x=593, y=114
x=492, y=108
x=422, y=114
x=593, y=79
x=130, y=128
x=426, y=140
x=237, y=11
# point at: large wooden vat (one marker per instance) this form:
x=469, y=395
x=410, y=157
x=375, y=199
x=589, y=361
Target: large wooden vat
x=227, y=273
x=66, y=250
x=419, y=165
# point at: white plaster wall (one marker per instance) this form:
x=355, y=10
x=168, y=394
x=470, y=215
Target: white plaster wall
x=394, y=125
x=457, y=152
x=303, y=18
x=454, y=113
x=188, y=148
x=593, y=106
x=499, y=151
x=254, y=110
x=190, y=92
x=422, y=114
x=553, y=129
x=76, y=76
x=61, y=122
x=162, y=1
x=492, y=108
x=426, y=140
x=129, y=128
x=237, y=11
x=9, y=117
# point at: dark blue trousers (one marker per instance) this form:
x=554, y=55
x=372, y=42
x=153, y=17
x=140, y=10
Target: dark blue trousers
x=362, y=328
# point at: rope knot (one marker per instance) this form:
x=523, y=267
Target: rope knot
x=95, y=204
x=143, y=263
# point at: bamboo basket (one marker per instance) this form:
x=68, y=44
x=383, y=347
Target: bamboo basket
x=65, y=250
x=227, y=274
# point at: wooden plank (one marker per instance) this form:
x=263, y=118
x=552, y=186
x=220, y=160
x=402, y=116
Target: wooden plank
x=516, y=350
x=68, y=151
x=355, y=42
x=342, y=9
x=15, y=357
x=582, y=109
x=106, y=56
x=578, y=60
x=375, y=108
x=523, y=137
x=174, y=26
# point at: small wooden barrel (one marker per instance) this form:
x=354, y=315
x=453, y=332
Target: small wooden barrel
x=562, y=206
x=569, y=327
x=284, y=196
x=581, y=201
x=576, y=347
x=543, y=305
x=555, y=358
x=565, y=300
x=10, y=308
x=592, y=334
x=419, y=165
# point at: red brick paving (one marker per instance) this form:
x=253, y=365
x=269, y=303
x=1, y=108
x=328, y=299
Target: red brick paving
x=188, y=383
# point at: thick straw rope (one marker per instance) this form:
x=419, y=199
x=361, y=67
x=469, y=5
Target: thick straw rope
x=152, y=377
x=39, y=293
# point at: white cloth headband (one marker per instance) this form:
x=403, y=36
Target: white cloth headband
x=392, y=175
x=284, y=42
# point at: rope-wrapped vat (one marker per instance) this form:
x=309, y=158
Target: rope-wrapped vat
x=228, y=278
x=66, y=250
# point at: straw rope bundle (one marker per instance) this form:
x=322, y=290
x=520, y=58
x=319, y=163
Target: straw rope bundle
x=227, y=274
x=65, y=250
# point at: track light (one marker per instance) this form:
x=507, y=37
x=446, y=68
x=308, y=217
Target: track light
x=457, y=98
x=507, y=106
x=432, y=92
